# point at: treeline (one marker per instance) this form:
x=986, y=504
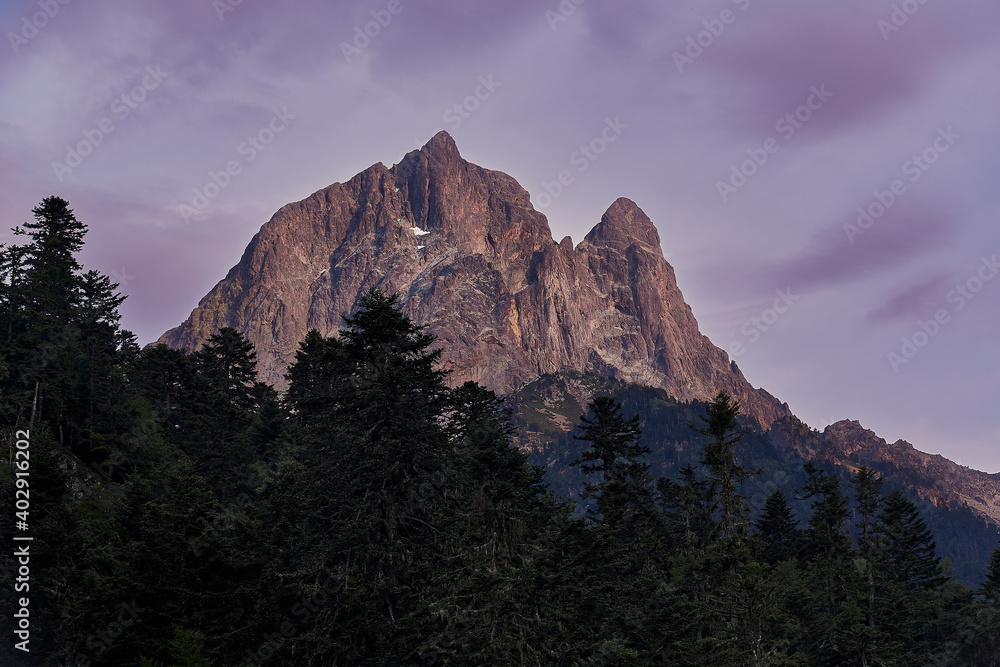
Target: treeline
x=966, y=540
x=184, y=514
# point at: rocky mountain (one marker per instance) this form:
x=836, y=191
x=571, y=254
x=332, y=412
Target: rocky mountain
x=472, y=260
x=546, y=323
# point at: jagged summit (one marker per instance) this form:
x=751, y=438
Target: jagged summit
x=443, y=145
x=474, y=261
x=624, y=223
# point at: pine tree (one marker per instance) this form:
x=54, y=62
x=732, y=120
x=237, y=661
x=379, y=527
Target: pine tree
x=229, y=362
x=166, y=378
x=909, y=546
x=991, y=586
x=725, y=475
x=614, y=452
x=868, y=499
x=63, y=344
x=827, y=604
x=52, y=268
x=43, y=293
x=778, y=529
x=315, y=377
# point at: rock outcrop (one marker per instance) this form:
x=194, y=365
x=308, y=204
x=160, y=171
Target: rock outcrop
x=472, y=260
x=934, y=477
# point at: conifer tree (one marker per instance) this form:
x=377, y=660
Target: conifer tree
x=868, y=499
x=614, y=452
x=909, y=547
x=725, y=474
x=229, y=362
x=52, y=279
x=778, y=529
x=991, y=586
x=829, y=574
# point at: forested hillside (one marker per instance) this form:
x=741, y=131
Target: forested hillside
x=184, y=514
x=545, y=412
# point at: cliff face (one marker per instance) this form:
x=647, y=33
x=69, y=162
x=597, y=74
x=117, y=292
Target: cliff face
x=473, y=260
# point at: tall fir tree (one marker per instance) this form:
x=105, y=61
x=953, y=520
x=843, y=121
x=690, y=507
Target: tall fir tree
x=827, y=604
x=778, y=529
x=869, y=639
x=909, y=547
x=991, y=584
x=724, y=473
x=615, y=454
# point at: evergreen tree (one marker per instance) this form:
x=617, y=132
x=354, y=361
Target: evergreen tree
x=375, y=516
x=868, y=499
x=827, y=605
x=614, y=453
x=229, y=362
x=687, y=509
x=778, y=529
x=909, y=545
x=991, y=586
x=51, y=277
x=725, y=474
x=613, y=450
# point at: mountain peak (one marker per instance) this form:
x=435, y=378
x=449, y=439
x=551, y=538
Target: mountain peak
x=442, y=145
x=624, y=222
x=473, y=261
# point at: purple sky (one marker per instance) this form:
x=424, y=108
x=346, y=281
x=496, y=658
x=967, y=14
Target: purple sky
x=887, y=95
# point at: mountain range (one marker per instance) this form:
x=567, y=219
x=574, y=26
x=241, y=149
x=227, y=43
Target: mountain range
x=516, y=311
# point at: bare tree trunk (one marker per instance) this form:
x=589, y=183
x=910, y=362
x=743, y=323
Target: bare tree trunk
x=34, y=405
